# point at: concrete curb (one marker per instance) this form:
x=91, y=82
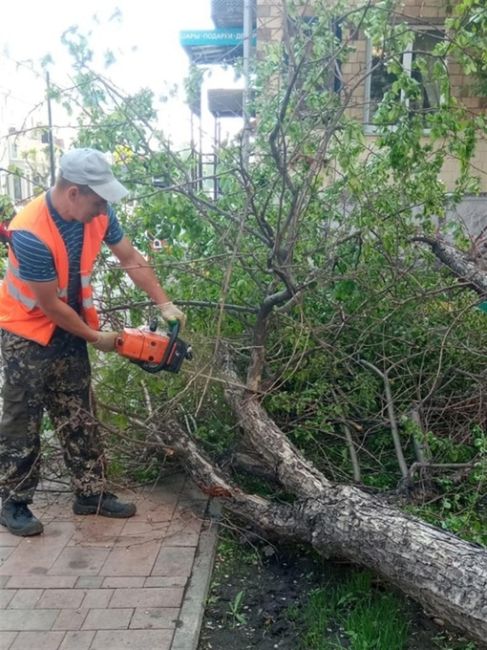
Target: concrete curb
x=187, y=634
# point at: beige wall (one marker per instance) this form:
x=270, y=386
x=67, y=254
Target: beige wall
x=269, y=22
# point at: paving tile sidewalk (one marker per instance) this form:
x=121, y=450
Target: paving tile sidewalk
x=92, y=583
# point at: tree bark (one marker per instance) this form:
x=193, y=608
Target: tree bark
x=462, y=265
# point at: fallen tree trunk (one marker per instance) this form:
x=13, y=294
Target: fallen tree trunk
x=462, y=265
x=445, y=574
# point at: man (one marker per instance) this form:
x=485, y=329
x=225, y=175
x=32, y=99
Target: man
x=46, y=319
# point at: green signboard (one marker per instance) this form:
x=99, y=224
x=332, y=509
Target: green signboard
x=230, y=37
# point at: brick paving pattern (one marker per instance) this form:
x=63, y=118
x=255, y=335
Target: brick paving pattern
x=92, y=583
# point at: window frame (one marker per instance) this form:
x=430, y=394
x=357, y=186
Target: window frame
x=407, y=63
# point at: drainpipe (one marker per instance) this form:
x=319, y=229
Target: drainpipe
x=247, y=40
x=49, y=131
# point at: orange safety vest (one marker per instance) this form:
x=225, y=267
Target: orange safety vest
x=19, y=312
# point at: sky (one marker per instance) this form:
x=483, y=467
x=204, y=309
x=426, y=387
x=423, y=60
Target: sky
x=143, y=34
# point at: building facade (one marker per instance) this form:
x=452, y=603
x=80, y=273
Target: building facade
x=24, y=156
x=365, y=80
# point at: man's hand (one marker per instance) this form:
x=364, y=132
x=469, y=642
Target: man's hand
x=105, y=341
x=171, y=314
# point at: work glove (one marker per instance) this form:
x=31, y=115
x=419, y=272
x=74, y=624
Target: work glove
x=172, y=314
x=105, y=341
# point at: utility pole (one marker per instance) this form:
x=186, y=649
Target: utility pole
x=247, y=41
x=52, y=163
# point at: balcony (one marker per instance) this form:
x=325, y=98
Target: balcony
x=229, y=13
x=225, y=102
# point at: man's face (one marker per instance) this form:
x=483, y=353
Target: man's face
x=85, y=205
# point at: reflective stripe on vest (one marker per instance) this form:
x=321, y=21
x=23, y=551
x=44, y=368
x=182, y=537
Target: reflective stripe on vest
x=17, y=293
x=86, y=292
x=30, y=303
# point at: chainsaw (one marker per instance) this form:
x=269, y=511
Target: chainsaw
x=151, y=350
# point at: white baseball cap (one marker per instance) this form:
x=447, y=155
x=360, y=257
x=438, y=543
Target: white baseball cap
x=90, y=167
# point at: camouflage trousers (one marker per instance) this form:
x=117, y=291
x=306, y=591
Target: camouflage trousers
x=56, y=379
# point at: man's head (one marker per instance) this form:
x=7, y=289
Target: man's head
x=90, y=167
x=85, y=185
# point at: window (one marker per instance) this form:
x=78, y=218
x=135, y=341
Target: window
x=17, y=188
x=37, y=180
x=14, y=150
x=325, y=76
x=418, y=61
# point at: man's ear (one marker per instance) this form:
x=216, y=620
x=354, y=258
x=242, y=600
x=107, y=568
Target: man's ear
x=72, y=192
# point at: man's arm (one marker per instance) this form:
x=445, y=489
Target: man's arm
x=60, y=312
x=144, y=277
x=139, y=270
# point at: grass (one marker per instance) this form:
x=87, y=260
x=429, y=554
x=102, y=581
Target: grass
x=332, y=610
x=354, y=615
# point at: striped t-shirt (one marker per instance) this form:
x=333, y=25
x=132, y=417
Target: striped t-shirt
x=36, y=262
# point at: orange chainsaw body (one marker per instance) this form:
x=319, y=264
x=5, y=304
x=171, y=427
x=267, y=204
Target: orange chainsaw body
x=142, y=345
x=153, y=351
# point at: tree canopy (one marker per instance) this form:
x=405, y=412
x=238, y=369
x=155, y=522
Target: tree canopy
x=308, y=290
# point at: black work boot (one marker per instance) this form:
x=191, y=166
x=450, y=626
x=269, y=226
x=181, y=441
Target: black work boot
x=106, y=505
x=19, y=520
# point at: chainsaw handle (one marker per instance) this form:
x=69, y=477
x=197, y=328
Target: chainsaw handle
x=174, y=328
x=174, y=331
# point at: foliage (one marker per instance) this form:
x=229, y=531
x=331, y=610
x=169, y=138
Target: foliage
x=461, y=508
x=468, y=27
x=7, y=210
x=311, y=239
x=193, y=84
x=235, y=610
